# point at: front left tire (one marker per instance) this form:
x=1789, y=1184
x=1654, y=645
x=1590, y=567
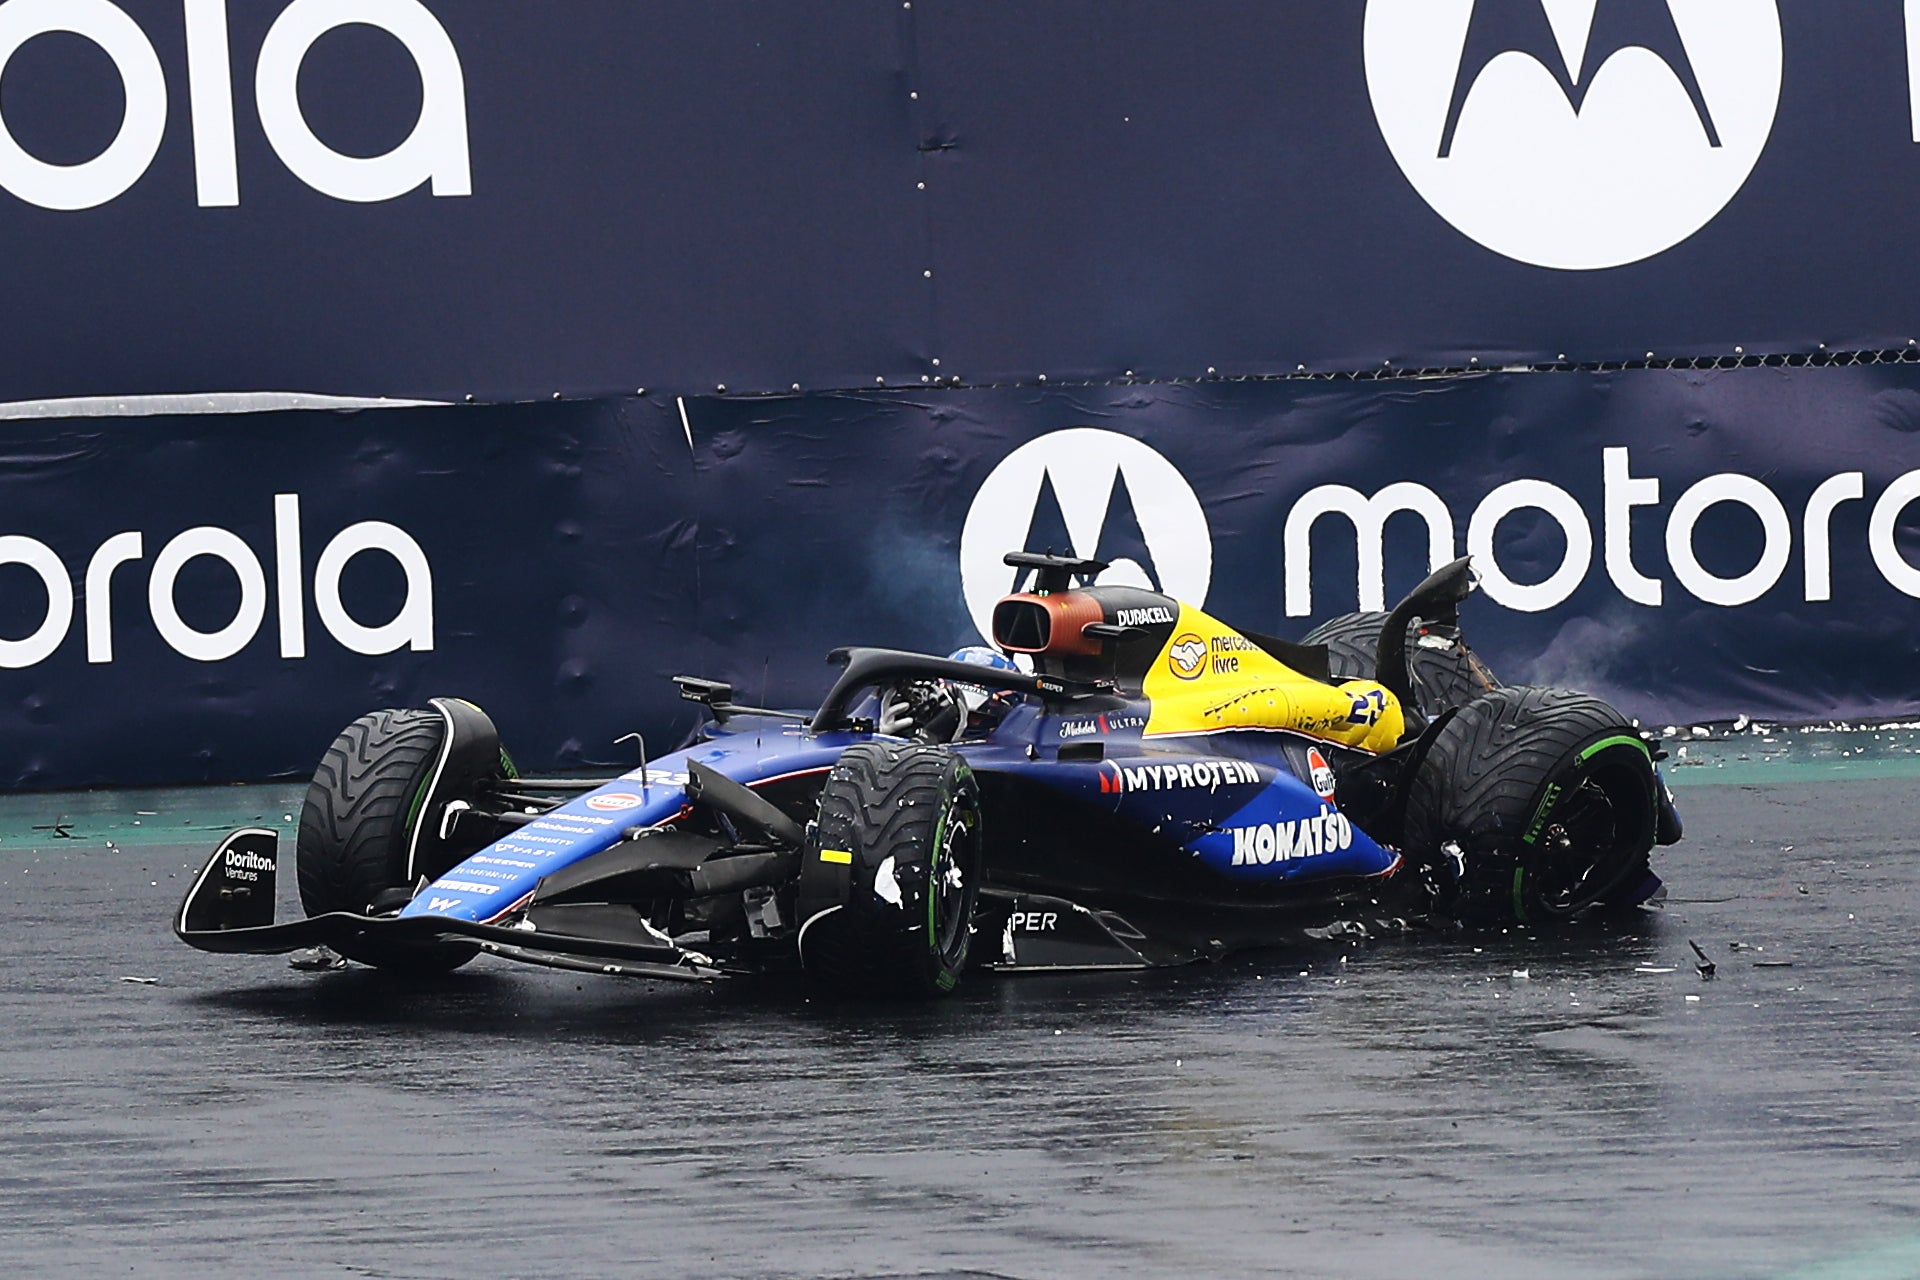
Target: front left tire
x=363, y=806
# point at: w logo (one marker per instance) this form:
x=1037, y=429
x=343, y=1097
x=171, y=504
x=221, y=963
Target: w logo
x=1578, y=134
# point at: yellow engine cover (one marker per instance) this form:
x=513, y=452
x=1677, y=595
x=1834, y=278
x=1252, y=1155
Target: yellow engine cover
x=1209, y=677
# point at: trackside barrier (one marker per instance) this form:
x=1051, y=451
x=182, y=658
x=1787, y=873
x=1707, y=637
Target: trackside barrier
x=212, y=597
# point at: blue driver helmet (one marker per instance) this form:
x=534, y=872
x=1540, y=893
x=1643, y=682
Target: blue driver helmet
x=979, y=655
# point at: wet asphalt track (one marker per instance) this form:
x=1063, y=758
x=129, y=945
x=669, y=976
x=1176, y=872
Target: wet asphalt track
x=1395, y=1109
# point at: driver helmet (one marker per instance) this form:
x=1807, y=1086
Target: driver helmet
x=979, y=655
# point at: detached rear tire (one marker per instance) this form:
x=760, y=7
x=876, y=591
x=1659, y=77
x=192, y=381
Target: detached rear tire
x=902, y=824
x=357, y=826
x=1445, y=672
x=1548, y=799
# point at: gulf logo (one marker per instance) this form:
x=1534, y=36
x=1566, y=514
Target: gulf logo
x=1319, y=774
x=613, y=801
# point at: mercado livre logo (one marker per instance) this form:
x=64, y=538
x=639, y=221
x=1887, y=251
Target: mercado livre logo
x=1576, y=134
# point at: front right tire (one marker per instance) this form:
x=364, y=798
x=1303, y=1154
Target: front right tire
x=892, y=872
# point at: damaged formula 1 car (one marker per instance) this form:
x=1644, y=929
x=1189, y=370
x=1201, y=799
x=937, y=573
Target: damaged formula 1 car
x=1157, y=788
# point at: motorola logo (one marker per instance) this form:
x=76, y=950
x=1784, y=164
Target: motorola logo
x=1575, y=134
x=411, y=627
x=434, y=152
x=1094, y=494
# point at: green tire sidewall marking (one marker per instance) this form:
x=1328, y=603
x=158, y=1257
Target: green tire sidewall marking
x=933, y=883
x=1617, y=740
x=1554, y=790
x=947, y=802
x=1540, y=812
x=419, y=798
x=426, y=783
x=933, y=875
x=1553, y=793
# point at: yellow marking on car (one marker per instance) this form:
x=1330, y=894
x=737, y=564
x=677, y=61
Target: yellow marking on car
x=1210, y=677
x=841, y=856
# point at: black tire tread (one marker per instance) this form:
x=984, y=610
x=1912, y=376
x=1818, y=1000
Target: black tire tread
x=1442, y=677
x=882, y=801
x=357, y=822
x=1352, y=641
x=1488, y=770
x=1494, y=757
x=353, y=834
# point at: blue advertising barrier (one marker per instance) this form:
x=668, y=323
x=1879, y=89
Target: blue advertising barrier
x=204, y=598
x=451, y=198
x=208, y=598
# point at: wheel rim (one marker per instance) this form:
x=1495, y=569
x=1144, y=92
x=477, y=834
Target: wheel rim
x=950, y=879
x=1589, y=841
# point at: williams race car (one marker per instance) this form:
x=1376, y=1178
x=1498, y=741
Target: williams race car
x=1150, y=787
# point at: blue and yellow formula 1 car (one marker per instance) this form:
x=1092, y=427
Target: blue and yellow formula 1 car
x=1150, y=787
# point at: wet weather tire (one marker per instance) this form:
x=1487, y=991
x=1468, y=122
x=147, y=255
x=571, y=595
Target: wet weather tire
x=1532, y=805
x=902, y=826
x=357, y=824
x=1445, y=672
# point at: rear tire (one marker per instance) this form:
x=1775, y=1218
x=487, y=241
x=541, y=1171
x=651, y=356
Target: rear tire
x=1548, y=798
x=1445, y=672
x=357, y=825
x=904, y=823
